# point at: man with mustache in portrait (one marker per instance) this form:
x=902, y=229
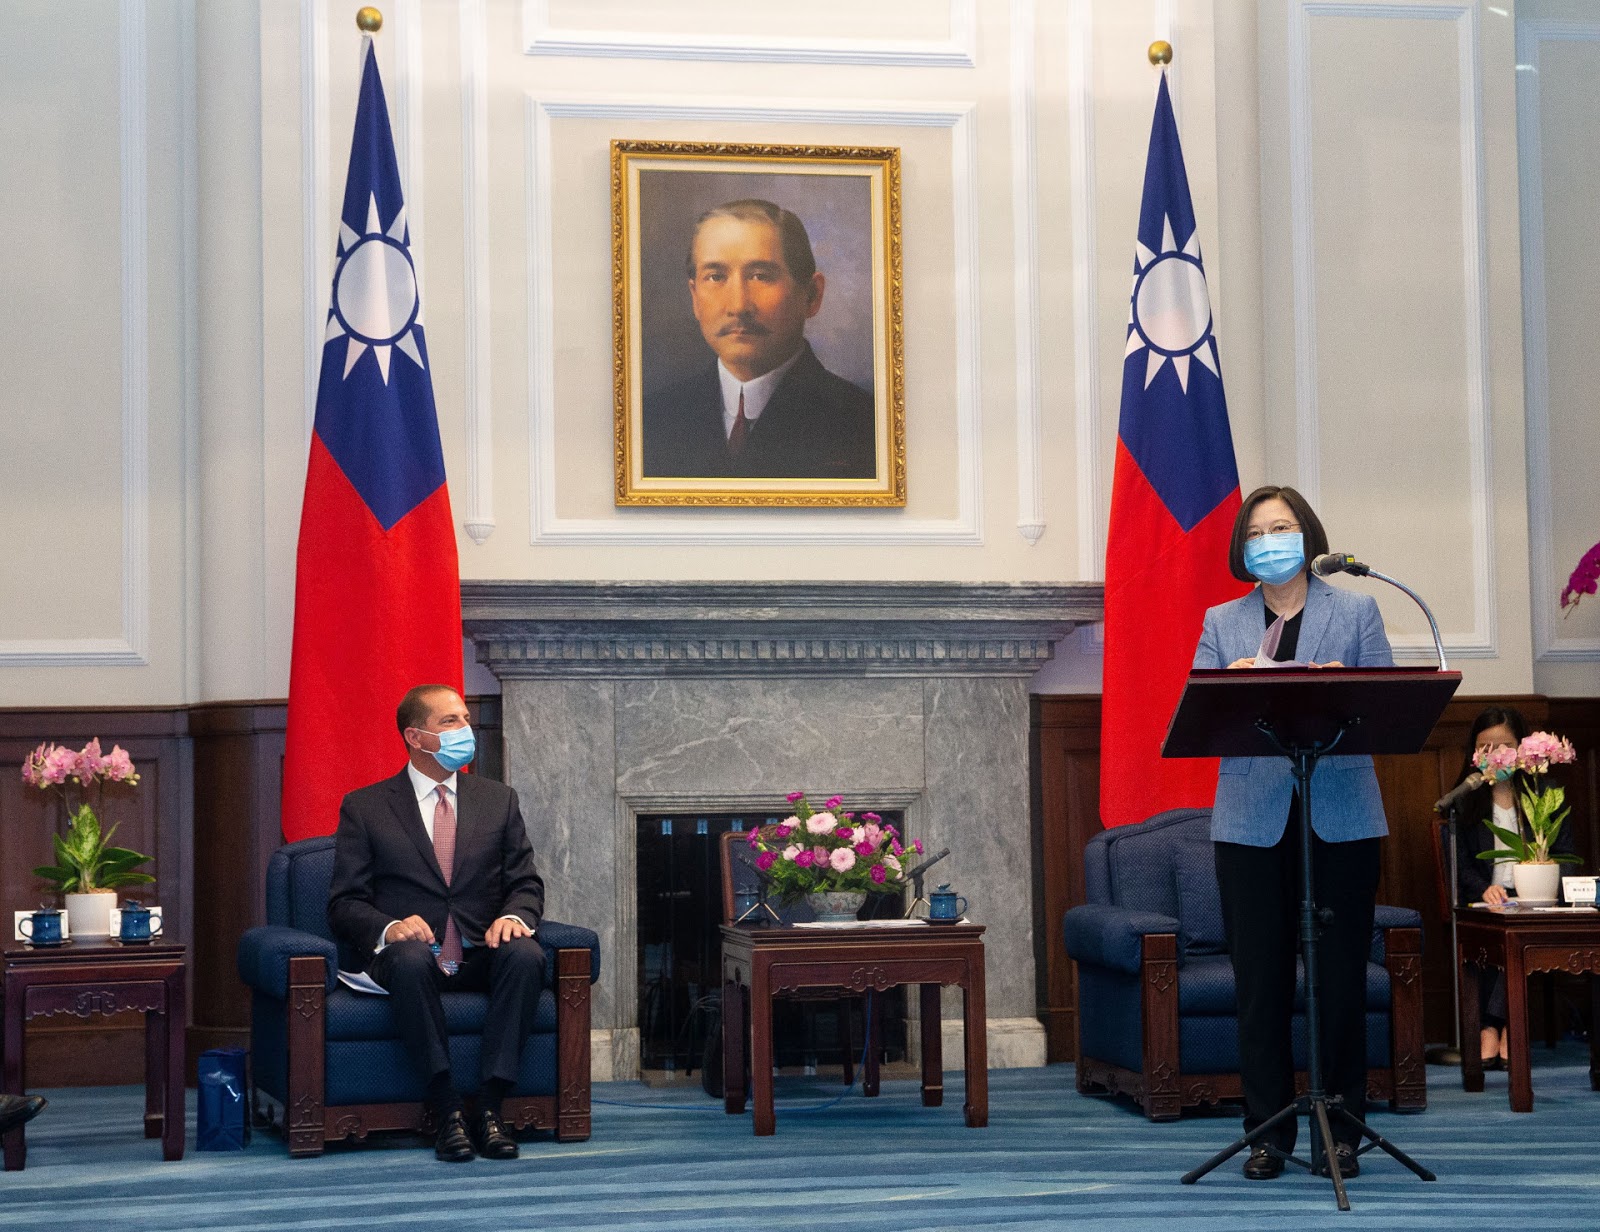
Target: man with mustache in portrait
x=767, y=408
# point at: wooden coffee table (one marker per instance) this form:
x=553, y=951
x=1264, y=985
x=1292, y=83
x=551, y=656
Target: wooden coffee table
x=758, y=963
x=1519, y=943
x=102, y=977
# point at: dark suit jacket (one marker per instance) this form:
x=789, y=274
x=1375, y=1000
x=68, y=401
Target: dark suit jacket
x=1473, y=836
x=817, y=426
x=384, y=867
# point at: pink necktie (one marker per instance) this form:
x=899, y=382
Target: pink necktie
x=444, y=848
x=741, y=425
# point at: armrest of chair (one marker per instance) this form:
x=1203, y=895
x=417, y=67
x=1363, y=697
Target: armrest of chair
x=1112, y=936
x=264, y=955
x=1385, y=918
x=554, y=935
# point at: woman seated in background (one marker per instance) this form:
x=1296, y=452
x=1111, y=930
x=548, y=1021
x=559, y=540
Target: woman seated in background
x=1484, y=881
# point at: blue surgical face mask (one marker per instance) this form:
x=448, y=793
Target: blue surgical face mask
x=1275, y=558
x=457, y=747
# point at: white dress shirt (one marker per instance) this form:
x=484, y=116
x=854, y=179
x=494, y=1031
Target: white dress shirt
x=757, y=393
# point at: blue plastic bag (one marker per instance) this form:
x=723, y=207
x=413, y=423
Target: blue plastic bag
x=224, y=1105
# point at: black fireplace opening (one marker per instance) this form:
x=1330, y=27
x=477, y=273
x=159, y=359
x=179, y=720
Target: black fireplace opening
x=679, y=884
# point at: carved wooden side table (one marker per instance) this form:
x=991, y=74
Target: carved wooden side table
x=1520, y=943
x=759, y=962
x=102, y=977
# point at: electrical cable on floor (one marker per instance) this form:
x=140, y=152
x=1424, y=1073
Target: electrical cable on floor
x=866, y=1047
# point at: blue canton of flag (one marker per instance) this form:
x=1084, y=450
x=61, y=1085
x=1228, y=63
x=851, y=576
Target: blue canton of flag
x=375, y=411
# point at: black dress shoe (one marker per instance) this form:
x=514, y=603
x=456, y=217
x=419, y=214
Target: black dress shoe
x=1494, y=1063
x=452, y=1146
x=1349, y=1164
x=18, y=1110
x=491, y=1140
x=1262, y=1165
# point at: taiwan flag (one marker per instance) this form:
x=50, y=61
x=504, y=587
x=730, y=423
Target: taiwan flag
x=377, y=604
x=1173, y=500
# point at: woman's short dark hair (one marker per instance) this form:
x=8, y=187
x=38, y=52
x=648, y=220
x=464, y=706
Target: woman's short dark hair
x=1314, y=537
x=1494, y=716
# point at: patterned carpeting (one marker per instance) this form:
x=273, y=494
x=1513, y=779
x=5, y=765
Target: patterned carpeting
x=1050, y=1159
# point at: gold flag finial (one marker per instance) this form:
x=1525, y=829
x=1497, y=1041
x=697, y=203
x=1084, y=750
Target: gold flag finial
x=1160, y=52
x=369, y=20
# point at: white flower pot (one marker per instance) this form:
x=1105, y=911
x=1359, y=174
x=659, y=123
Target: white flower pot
x=89, y=915
x=1536, y=883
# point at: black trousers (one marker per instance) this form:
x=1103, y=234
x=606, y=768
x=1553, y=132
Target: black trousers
x=513, y=976
x=1261, y=915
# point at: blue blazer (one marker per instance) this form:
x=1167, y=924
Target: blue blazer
x=1253, y=793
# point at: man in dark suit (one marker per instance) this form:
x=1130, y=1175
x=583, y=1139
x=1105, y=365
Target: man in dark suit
x=767, y=408
x=434, y=890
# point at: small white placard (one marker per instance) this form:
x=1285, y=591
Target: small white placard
x=1578, y=890
x=115, y=917
x=16, y=925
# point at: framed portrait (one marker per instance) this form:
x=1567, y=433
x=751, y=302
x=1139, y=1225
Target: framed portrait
x=757, y=349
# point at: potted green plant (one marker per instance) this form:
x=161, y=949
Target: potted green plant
x=832, y=859
x=88, y=870
x=1537, y=875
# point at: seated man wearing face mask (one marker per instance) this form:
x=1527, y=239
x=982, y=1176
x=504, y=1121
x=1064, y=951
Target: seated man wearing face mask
x=434, y=890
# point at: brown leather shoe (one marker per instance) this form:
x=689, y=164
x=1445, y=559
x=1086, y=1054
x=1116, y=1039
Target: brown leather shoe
x=452, y=1146
x=1349, y=1165
x=1262, y=1165
x=491, y=1139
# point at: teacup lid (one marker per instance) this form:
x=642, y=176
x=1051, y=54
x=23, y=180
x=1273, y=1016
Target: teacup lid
x=129, y=904
x=944, y=888
x=46, y=909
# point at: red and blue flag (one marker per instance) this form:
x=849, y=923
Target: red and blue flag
x=1174, y=497
x=377, y=584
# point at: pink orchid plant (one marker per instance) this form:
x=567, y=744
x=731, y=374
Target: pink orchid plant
x=1544, y=807
x=85, y=859
x=830, y=850
x=1585, y=580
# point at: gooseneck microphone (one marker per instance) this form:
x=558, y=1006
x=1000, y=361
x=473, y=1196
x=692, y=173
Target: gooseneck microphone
x=1342, y=562
x=1466, y=786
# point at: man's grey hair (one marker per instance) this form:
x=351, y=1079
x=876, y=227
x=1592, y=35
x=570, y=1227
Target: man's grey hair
x=792, y=235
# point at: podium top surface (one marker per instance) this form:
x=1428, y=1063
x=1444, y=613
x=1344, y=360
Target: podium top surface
x=1380, y=710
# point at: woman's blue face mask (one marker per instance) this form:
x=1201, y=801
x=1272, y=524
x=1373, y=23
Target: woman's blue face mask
x=1274, y=559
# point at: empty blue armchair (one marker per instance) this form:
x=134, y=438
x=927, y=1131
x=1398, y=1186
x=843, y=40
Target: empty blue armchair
x=332, y=1059
x=1156, y=1011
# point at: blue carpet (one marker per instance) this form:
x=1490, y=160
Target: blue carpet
x=1049, y=1159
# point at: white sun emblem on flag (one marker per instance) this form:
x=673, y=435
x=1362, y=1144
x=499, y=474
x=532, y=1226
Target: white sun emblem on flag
x=375, y=300
x=1171, y=311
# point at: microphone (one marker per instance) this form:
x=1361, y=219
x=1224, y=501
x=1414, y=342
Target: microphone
x=927, y=864
x=1337, y=562
x=1465, y=787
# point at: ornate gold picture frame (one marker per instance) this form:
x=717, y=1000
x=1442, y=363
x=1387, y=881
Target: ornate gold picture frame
x=757, y=324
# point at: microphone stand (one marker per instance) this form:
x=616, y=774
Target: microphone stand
x=761, y=909
x=917, y=899
x=1356, y=568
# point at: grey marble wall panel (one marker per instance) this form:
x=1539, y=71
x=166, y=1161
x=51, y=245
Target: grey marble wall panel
x=976, y=803
x=768, y=736
x=561, y=759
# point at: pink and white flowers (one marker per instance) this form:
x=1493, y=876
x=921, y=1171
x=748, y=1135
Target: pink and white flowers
x=830, y=849
x=85, y=859
x=1544, y=808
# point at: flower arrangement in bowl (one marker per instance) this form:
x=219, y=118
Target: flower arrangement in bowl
x=831, y=858
x=88, y=870
x=1543, y=807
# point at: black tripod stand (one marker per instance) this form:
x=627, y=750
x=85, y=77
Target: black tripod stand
x=1321, y=1109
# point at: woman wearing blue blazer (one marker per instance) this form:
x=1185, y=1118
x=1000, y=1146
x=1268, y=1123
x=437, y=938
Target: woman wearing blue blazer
x=1255, y=828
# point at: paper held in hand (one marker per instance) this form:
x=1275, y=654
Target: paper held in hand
x=1269, y=647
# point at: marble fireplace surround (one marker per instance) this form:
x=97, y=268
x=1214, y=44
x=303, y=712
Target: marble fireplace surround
x=623, y=698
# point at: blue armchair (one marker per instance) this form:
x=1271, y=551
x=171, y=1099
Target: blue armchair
x=1156, y=1011
x=331, y=1058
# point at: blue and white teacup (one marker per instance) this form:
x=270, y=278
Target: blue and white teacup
x=43, y=927
x=945, y=904
x=137, y=924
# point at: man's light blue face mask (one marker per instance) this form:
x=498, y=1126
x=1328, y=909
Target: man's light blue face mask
x=457, y=747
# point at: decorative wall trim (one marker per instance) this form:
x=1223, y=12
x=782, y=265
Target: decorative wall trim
x=786, y=527
x=189, y=110
x=1549, y=646
x=476, y=369
x=540, y=38
x=1482, y=640
x=316, y=267
x=1092, y=502
x=408, y=43
x=131, y=648
x=1025, y=263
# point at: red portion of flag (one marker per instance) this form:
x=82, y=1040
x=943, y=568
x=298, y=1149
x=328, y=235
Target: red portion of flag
x=375, y=613
x=1159, y=583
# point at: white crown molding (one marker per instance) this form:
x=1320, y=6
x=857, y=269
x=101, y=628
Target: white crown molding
x=131, y=649
x=1545, y=577
x=778, y=527
x=1025, y=270
x=316, y=259
x=1085, y=290
x=1481, y=641
x=479, y=523
x=540, y=38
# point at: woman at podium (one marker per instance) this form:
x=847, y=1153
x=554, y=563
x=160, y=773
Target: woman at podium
x=1293, y=617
